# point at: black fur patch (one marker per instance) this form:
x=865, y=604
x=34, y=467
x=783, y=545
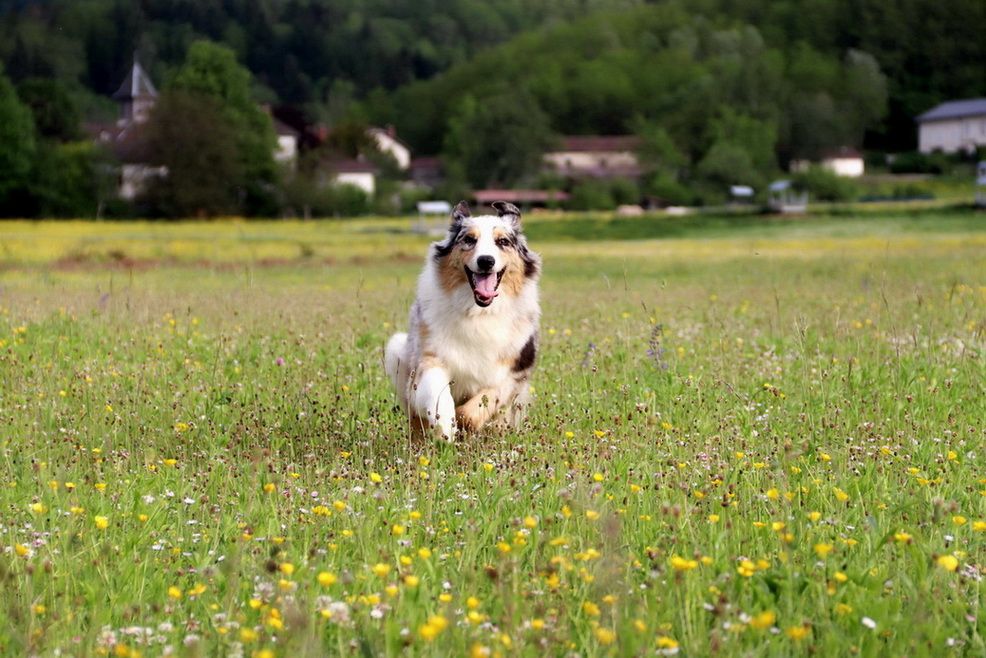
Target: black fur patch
x=527, y=355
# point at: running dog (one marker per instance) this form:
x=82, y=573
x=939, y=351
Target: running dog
x=473, y=330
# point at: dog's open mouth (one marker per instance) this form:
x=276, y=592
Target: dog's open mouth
x=484, y=286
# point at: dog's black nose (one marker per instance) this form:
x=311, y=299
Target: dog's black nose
x=486, y=263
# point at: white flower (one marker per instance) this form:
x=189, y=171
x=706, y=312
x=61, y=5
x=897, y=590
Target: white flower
x=868, y=623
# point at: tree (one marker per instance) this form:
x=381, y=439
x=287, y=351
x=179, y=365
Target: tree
x=17, y=148
x=498, y=140
x=55, y=113
x=211, y=71
x=189, y=134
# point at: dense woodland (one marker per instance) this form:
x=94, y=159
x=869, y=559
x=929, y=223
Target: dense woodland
x=719, y=90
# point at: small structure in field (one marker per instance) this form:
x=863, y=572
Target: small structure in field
x=784, y=198
x=522, y=198
x=432, y=217
x=981, y=184
x=740, y=194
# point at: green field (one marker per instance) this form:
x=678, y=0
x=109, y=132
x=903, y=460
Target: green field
x=749, y=437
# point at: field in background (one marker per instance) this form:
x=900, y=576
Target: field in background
x=751, y=436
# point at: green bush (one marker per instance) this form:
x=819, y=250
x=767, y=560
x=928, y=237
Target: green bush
x=825, y=185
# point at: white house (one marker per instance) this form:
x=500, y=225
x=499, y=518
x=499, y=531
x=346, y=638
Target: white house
x=286, y=152
x=845, y=161
x=387, y=141
x=596, y=156
x=352, y=172
x=953, y=126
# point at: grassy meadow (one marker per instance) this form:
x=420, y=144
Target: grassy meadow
x=749, y=437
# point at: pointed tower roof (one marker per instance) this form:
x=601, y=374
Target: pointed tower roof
x=137, y=84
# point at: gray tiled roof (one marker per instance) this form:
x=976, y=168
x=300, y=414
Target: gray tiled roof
x=136, y=84
x=955, y=110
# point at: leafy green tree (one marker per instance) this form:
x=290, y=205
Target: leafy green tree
x=55, y=113
x=189, y=133
x=499, y=140
x=18, y=148
x=211, y=70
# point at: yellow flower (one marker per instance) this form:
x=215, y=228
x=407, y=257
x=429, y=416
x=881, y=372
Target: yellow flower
x=763, y=620
x=665, y=642
x=375, y=477
x=843, y=609
x=472, y=603
x=21, y=550
x=773, y=494
x=504, y=547
x=174, y=592
x=979, y=526
x=411, y=580
x=269, y=487
x=530, y=522
x=590, y=609
x=958, y=519
x=101, y=522
x=822, y=549
x=424, y=553
x=380, y=569
x=197, y=589
x=713, y=518
x=537, y=624
x=948, y=562
x=814, y=516
x=682, y=564
x=326, y=579
x=902, y=537
x=798, y=632
x=287, y=568
x=604, y=635
x=592, y=515
x=248, y=635
x=38, y=508
x=339, y=505
x=840, y=495
x=396, y=530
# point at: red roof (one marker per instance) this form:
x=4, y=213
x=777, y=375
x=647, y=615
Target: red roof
x=599, y=143
x=519, y=196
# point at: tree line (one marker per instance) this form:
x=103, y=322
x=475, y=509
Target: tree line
x=718, y=90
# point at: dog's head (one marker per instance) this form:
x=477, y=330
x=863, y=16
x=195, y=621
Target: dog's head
x=487, y=252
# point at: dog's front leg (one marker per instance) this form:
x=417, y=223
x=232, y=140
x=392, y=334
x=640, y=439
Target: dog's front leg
x=477, y=410
x=433, y=401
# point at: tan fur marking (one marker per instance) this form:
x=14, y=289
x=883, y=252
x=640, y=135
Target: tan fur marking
x=513, y=279
x=451, y=271
x=477, y=411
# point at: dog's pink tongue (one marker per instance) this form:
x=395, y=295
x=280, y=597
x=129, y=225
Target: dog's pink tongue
x=486, y=285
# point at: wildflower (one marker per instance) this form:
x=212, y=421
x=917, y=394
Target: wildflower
x=814, y=516
x=530, y=522
x=101, y=522
x=590, y=609
x=665, y=642
x=902, y=537
x=713, y=518
x=763, y=620
x=396, y=530
x=868, y=623
x=472, y=603
x=537, y=624
x=979, y=526
x=504, y=547
x=286, y=568
x=773, y=494
x=38, y=508
x=604, y=635
x=958, y=519
x=248, y=635
x=843, y=609
x=269, y=487
x=380, y=569
x=174, y=592
x=948, y=562
x=592, y=515
x=424, y=552
x=434, y=626
x=682, y=564
x=375, y=477
x=840, y=495
x=822, y=549
x=411, y=581
x=797, y=633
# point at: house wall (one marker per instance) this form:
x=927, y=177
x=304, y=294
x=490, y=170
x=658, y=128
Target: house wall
x=582, y=161
x=952, y=135
x=363, y=180
x=388, y=144
x=287, y=149
x=849, y=167
x=134, y=179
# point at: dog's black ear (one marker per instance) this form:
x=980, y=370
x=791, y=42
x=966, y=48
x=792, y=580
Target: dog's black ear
x=508, y=211
x=460, y=212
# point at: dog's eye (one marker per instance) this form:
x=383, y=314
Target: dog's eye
x=468, y=240
x=503, y=243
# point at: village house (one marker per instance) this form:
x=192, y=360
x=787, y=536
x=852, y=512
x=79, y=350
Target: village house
x=844, y=161
x=596, y=156
x=387, y=141
x=953, y=127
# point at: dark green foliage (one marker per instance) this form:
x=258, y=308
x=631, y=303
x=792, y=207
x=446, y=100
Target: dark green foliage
x=189, y=133
x=825, y=185
x=17, y=148
x=497, y=140
x=71, y=180
x=53, y=108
